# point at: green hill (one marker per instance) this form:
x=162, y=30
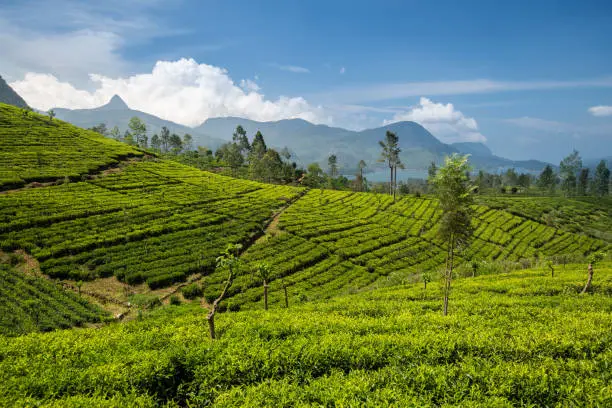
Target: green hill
x=517, y=339
x=34, y=148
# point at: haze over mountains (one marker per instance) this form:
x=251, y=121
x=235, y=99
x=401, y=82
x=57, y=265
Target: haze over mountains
x=308, y=142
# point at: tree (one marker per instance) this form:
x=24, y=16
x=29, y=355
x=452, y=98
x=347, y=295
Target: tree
x=101, y=129
x=128, y=138
x=593, y=259
x=187, y=142
x=156, y=142
x=601, y=180
x=272, y=166
x=432, y=170
x=233, y=157
x=51, y=114
x=115, y=133
x=389, y=155
x=314, y=177
x=454, y=192
x=583, y=182
x=175, y=143
x=240, y=138
x=230, y=260
x=524, y=180
x=138, y=130
x=264, y=271
x=332, y=162
x=511, y=178
x=165, y=138
x=568, y=168
x=359, y=180
x=547, y=179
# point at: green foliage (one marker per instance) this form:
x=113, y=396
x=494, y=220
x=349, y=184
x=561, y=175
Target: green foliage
x=517, y=339
x=192, y=291
x=174, y=300
x=30, y=303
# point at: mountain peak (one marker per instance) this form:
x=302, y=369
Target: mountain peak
x=115, y=103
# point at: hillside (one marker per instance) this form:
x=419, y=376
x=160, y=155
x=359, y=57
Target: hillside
x=9, y=96
x=34, y=148
x=128, y=223
x=517, y=339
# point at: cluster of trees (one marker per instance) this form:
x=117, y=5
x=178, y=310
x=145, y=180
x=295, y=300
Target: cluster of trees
x=256, y=159
x=574, y=179
x=136, y=135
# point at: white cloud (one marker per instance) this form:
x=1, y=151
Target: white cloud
x=382, y=92
x=601, y=110
x=182, y=91
x=342, y=71
x=442, y=120
x=292, y=68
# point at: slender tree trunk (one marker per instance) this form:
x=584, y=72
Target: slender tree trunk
x=424, y=285
x=361, y=179
x=265, y=285
x=394, y=181
x=449, y=274
x=589, y=280
x=286, y=296
x=391, y=180
x=211, y=325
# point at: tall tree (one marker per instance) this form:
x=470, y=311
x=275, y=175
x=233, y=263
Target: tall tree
x=583, y=181
x=547, y=179
x=258, y=150
x=601, y=180
x=524, y=180
x=101, y=129
x=360, y=182
x=176, y=143
x=187, y=142
x=138, y=130
x=240, y=138
x=155, y=142
x=332, y=162
x=389, y=154
x=128, y=138
x=51, y=114
x=454, y=192
x=115, y=133
x=165, y=138
x=568, y=168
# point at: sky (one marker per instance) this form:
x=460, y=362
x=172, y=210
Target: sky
x=530, y=79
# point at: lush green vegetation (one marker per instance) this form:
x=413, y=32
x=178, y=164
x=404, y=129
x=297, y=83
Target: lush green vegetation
x=35, y=148
x=336, y=242
x=592, y=216
x=150, y=221
x=521, y=338
x=30, y=303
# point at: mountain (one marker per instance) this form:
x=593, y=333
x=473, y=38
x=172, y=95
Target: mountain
x=308, y=142
x=9, y=96
x=117, y=113
x=473, y=148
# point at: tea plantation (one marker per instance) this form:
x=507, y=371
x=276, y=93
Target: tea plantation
x=360, y=330
x=517, y=339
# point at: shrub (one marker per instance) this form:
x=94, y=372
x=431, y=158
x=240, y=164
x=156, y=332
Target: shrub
x=192, y=291
x=174, y=300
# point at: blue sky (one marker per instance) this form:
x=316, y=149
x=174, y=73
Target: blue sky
x=518, y=75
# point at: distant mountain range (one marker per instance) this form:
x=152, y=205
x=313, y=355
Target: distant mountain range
x=308, y=142
x=9, y=96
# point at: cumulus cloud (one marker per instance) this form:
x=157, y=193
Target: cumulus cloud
x=601, y=110
x=442, y=120
x=182, y=91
